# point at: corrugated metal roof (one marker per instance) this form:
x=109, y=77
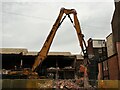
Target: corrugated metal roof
x=31, y=53
x=25, y=52
x=59, y=53
x=13, y=50
x=49, y=53
x=79, y=57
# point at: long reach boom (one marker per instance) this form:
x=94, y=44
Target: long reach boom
x=44, y=51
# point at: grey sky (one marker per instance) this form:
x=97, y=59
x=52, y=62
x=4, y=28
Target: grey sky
x=27, y=24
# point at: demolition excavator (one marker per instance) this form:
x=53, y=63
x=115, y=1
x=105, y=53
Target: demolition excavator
x=46, y=46
x=32, y=73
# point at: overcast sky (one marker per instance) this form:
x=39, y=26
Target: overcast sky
x=27, y=24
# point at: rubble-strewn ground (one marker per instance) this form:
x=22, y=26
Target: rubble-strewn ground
x=56, y=84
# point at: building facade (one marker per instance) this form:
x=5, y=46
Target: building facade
x=98, y=49
x=116, y=38
x=110, y=68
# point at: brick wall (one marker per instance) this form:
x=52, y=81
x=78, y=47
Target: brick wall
x=118, y=51
x=113, y=67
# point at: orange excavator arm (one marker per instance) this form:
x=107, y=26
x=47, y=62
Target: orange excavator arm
x=44, y=51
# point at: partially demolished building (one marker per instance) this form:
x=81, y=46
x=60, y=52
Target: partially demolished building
x=57, y=65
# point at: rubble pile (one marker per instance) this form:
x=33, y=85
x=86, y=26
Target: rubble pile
x=68, y=84
x=45, y=84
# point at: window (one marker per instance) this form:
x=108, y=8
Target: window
x=99, y=50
